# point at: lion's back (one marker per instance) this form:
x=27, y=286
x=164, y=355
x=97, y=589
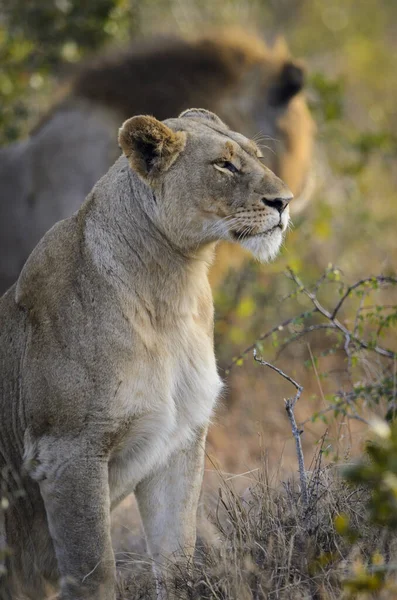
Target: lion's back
x=44, y=279
x=13, y=339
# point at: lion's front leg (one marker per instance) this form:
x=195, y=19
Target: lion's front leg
x=168, y=501
x=73, y=481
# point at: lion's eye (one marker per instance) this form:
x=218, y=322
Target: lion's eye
x=230, y=167
x=226, y=166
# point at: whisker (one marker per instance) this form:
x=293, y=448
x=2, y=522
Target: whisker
x=245, y=231
x=218, y=227
x=264, y=136
x=267, y=148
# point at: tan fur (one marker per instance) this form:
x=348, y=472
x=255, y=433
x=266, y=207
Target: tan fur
x=108, y=371
x=255, y=89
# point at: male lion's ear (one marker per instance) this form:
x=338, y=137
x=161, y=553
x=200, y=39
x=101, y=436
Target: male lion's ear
x=150, y=146
x=201, y=113
x=290, y=82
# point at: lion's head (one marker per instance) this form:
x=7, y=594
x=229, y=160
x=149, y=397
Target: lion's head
x=209, y=183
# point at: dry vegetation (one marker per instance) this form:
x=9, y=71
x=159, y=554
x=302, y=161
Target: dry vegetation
x=264, y=544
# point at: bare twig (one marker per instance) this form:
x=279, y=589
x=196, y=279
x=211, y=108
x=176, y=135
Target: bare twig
x=264, y=336
x=289, y=407
x=382, y=306
x=302, y=333
x=346, y=400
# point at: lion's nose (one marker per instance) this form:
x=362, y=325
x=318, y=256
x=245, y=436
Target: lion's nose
x=278, y=203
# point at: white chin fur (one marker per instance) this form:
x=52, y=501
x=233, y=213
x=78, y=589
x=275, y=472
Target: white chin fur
x=264, y=247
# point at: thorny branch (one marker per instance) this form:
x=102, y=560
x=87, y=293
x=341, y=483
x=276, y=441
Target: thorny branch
x=344, y=401
x=379, y=279
x=333, y=323
x=349, y=335
x=289, y=407
x=263, y=337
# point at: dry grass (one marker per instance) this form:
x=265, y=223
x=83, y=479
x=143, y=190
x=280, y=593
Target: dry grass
x=264, y=545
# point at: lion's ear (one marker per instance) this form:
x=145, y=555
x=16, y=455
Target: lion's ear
x=290, y=82
x=150, y=146
x=201, y=113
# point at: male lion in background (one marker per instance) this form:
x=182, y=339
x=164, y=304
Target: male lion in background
x=253, y=88
x=106, y=350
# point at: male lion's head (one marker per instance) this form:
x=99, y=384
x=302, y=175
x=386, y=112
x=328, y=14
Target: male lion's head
x=255, y=88
x=209, y=183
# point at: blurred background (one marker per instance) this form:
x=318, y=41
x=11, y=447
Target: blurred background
x=345, y=229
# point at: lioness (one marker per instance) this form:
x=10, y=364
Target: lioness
x=254, y=88
x=106, y=347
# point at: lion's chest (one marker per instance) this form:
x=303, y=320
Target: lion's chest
x=167, y=396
